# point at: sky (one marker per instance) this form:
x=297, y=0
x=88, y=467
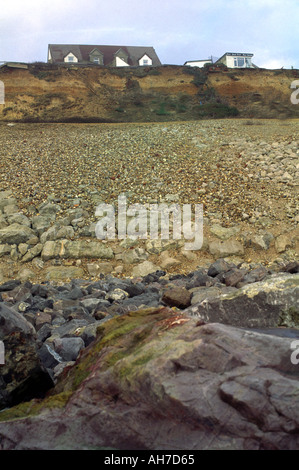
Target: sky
x=179, y=30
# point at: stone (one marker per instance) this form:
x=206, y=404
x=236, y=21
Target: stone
x=5, y=250
x=19, y=218
x=15, y=234
x=58, y=273
x=24, y=274
x=218, y=267
x=32, y=253
x=282, y=242
x=166, y=261
x=184, y=385
x=224, y=233
x=223, y=249
x=76, y=250
x=116, y=294
x=145, y=268
x=177, y=297
x=12, y=321
x=68, y=348
x=134, y=256
x=41, y=223
x=269, y=303
x=23, y=376
x=261, y=241
x=233, y=277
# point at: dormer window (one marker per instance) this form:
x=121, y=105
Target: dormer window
x=70, y=57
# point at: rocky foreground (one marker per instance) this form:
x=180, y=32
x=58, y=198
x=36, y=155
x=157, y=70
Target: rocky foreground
x=189, y=362
x=142, y=344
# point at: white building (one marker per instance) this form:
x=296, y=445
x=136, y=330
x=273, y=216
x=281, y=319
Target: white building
x=198, y=63
x=235, y=60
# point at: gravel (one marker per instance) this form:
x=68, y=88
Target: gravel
x=228, y=165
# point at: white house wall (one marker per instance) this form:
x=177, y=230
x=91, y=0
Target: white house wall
x=120, y=62
x=145, y=57
x=66, y=59
x=198, y=63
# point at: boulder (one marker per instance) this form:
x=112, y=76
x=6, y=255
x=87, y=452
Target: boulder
x=155, y=379
x=16, y=234
x=222, y=249
x=268, y=303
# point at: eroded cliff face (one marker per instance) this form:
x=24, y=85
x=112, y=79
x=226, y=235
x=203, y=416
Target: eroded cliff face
x=44, y=92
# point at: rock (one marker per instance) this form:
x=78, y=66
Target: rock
x=185, y=385
x=134, y=256
x=199, y=279
x=224, y=233
x=282, y=242
x=18, y=218
x=16, y=234
x=261, y=241
x=166, y=261
x=41, y=223
x=12, y=321
x=269, y=303
x=177, y=297
x=58, y=273
x=222, y=249
x=76, y=250
x=24, y=274
x=68, y=348
x=23, y=377
x=32, y=253
x=292, y=267
x=218, y=267
x=233, y=277
x=5, y=250
x=116, y=294
x=142, y=269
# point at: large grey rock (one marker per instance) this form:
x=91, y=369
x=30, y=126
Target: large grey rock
x=76, y=250
x=16, y=234
x=222, y=249
x=268, y=303
x=155, y=380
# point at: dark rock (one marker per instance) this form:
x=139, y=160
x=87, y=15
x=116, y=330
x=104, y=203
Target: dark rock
x=267, y=303
x=177, y=297
x=257, y=274
x=233, y=276
x=218, y=267
x=9, y=285
x=200, y=279
x=68, y=348
x=49, y=358
x=292, y=267
x=23, y=377
x=184, y=386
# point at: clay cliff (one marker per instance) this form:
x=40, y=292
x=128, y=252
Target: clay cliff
x=52, y=93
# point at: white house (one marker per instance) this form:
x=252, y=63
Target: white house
x=198, y=63
x=236, y=60
x=114, y=56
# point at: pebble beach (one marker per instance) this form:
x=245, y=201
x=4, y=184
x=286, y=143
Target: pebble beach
x=242, y=171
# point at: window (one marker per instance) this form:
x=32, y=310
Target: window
x=242, y=62
x=145, y=62
x=70, y=58
x=96, y=60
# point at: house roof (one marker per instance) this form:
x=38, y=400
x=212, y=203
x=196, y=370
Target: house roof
x=240, y=54
x=59, y=51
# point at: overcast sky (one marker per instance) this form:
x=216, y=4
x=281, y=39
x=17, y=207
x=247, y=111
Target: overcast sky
x=179, y=30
